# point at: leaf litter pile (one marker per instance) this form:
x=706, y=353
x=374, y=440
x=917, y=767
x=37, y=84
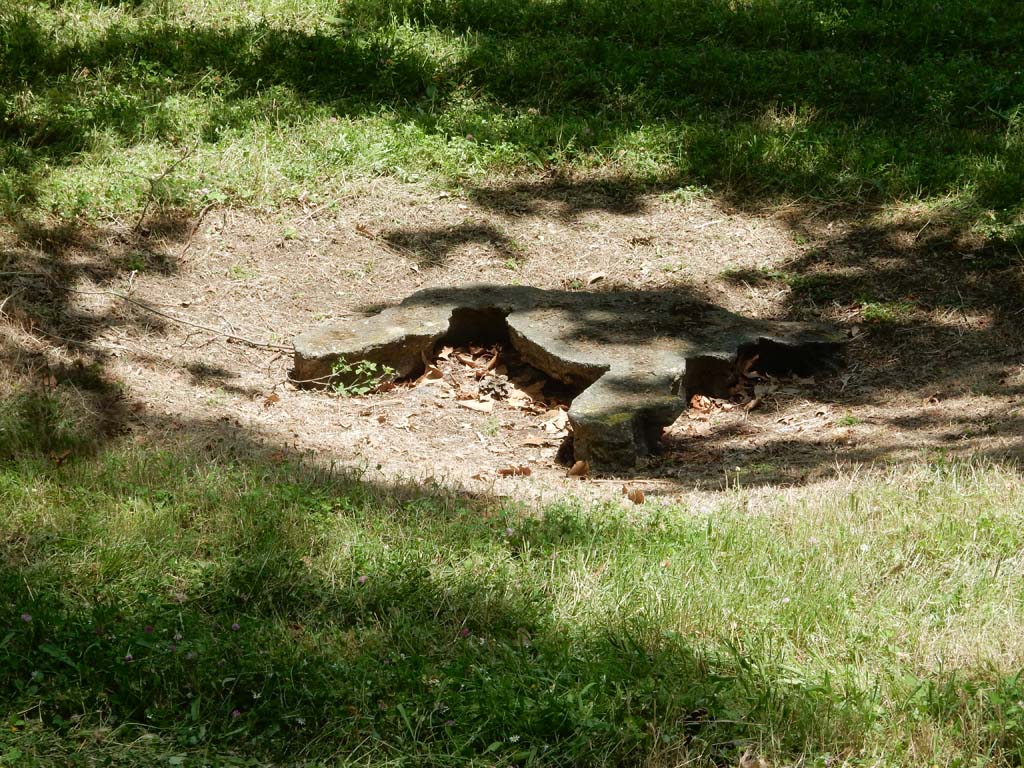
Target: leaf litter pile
x=521, y=414
x=685, y=440
x=518, y=399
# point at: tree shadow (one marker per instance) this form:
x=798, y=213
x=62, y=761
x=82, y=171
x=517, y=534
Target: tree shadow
x=403, y=655
x=836, y=102
x=433, y=247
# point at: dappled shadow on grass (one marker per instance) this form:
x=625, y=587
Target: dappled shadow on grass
x=760, y=100
x=198, y=600
x=228, y=602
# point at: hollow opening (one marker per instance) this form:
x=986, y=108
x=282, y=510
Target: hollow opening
x=479, y=341
x=476, y=326
x=717, y=376
x=780, y=360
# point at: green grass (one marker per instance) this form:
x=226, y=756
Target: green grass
x=179, y=607
x=106, y=105
x=182, y=606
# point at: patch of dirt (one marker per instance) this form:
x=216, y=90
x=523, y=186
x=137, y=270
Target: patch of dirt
x=194, y=321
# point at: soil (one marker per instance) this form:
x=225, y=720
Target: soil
x=192, y=317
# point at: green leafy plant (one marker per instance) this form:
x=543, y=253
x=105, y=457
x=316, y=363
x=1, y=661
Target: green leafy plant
x=359, y=378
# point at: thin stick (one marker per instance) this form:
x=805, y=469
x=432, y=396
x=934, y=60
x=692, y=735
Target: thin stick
x=180, y=321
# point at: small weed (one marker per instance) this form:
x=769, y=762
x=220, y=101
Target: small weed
x=239, y=272
x=134, y=261
x=687, y=194
x=849, y=420
x=888, y=312
x=359, y=378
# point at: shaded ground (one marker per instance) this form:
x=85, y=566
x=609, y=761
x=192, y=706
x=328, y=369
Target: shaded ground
x=934, y=365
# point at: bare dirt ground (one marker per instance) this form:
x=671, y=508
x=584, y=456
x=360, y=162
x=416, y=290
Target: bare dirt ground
x=190, y=319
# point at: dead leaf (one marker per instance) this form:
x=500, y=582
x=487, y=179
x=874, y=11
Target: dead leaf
x=557, y=421
x=747, y=367
x=521, y=471
x=701, y=403
x=579, y=469
x=365, y=231
x=430, y=373
x=595, y=277
x=277, y=457
x=517, y=398
x=58, y=458
x=633, y=494
x=445, y=353
x=751, y=404
x=271, y=399
x=475, y=405
x=382, y=418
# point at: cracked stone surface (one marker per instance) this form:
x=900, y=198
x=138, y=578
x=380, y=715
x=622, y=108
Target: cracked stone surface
x=638, y=355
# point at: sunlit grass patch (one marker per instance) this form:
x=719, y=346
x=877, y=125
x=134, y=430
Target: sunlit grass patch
x=757, y=101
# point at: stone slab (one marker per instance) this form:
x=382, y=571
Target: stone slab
x=639, y=355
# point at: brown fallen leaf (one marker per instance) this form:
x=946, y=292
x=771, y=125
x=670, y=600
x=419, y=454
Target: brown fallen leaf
x=521, y=471
x=271, y=399
x=633, y=494
x=445, y=353
x=579, y=469
x=58, y=458
x=558, y=420
x=365, y=231
x=475, y=405
x=701, y=403
x=430, y=373
x=747, y=367
x=517, y=398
